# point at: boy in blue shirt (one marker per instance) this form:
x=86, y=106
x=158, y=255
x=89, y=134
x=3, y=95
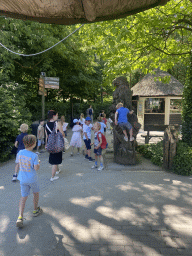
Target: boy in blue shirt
x=87, y=137
x=28, y=164
x=122, y=113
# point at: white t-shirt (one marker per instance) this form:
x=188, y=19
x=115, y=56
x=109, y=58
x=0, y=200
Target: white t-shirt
x=82, y=121
x=96, y=141
x=102, y=127
x=87, y=129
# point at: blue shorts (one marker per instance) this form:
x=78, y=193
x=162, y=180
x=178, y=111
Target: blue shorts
x=98, y=151
x=88, y=144
x=25, y=188
x=125, y=125
x=40, y=142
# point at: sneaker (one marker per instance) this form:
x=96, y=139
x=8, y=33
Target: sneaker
x=54, y=178
x=132, y=139
x=94, y=166
x=19, y=222
x=125, y=138
x=91, y=159
x=37, y=153
x=37, y=212
x=14, y=177
x=58, y=171
x=100, y=168
x=86, y=157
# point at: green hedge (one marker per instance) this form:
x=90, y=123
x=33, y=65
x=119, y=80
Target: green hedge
x=153, y=152
x=182, y=164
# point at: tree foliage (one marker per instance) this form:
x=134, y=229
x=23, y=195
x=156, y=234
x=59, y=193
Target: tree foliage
x=187, y=107
x=159, y=37
x=13, y=112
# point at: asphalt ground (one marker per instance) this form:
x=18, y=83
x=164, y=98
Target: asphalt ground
x=138, y=210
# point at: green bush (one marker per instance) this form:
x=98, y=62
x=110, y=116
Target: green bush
x=153, y=152
x=13, y=112
x=182, y=163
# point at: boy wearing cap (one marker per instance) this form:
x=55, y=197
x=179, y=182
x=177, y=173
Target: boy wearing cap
x=19, y=145
x=76, y=137
x=87, y=137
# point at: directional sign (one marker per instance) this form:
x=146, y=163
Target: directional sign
x=50, y=86
x=56, y=79
x=52, y=82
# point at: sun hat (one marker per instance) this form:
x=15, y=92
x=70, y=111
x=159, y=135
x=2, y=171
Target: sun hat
x=75, y=121
x=88, y=118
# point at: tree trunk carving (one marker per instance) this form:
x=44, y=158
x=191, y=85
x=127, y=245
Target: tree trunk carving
x=124, y=152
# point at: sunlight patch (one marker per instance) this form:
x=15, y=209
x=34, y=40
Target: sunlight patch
x=4, y=221
x=123, y=213
x=86, y=202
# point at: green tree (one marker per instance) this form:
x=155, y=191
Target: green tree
x=187, y=108
x=159, y=37
x=13, y=112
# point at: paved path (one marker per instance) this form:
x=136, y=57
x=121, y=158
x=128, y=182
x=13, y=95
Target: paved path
x=124, y=210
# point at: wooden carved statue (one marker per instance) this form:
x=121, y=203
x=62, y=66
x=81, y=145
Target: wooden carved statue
x=124, y=151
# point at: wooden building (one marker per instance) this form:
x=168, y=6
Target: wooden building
x=157, y=103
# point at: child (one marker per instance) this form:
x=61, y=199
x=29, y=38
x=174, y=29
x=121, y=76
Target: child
x=64, y=125
x=122, y=120
x=76, y=137
x=97, y=146
x=40, y=135
x=19, y=145
x=29, y=164
x=87, y=138
x=82, y=119
x=105, y=122
x=103, y=126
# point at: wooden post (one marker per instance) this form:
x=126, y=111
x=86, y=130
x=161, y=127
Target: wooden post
x=166, y=150
x=43, y=102
x=169, y=147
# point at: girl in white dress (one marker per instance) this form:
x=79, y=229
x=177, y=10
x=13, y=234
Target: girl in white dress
x=76, y=137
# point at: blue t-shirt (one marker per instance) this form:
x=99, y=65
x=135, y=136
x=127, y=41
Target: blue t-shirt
x=26, y=160
x=20, y=140
x=87, y=129
x=102, y=127
x=122, y=115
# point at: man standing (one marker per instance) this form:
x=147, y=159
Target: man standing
x=90, y=113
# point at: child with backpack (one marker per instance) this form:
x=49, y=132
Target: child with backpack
x=99, y=144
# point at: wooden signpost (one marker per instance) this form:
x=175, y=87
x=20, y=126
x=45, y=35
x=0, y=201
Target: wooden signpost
x=48, y=83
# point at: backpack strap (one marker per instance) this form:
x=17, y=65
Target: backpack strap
x=98, y=136
x=48, y=128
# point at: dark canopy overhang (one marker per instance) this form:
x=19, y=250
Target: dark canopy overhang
x=70, y=12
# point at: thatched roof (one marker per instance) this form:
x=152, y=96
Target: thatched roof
x=151, y=86
x=69, y=12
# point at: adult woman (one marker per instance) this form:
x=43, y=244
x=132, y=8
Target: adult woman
x=54, y=158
